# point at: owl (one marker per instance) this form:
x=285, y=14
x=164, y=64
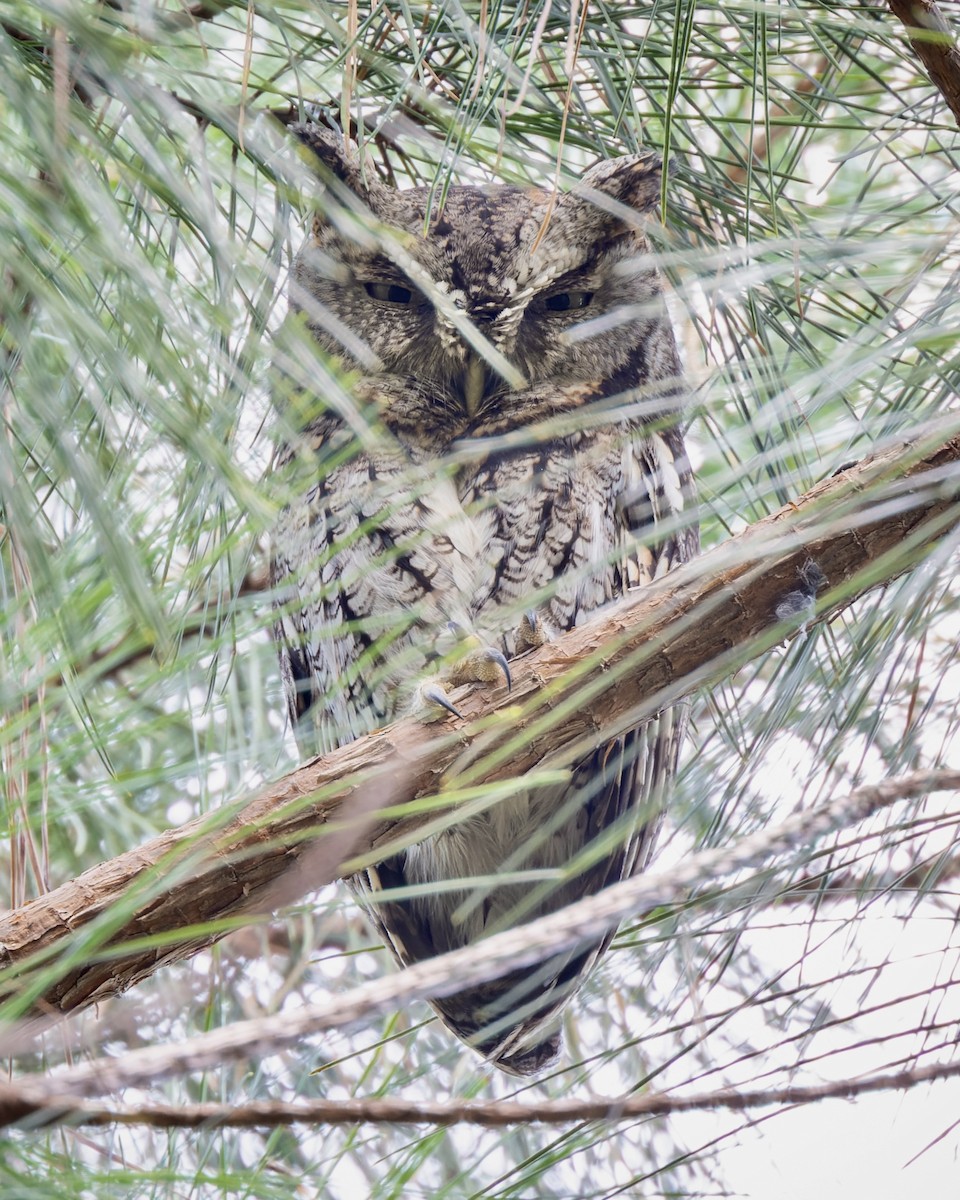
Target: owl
x=513, y=463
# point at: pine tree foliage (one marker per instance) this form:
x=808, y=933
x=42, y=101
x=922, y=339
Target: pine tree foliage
x=150, y=200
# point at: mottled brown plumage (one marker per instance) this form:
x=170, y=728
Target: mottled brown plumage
x=495, y=510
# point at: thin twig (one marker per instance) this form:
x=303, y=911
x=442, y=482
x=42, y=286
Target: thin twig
x=579, y=923
x=38, y=1103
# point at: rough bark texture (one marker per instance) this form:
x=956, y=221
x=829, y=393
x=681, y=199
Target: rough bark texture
x=933, y=42
x=87, y=939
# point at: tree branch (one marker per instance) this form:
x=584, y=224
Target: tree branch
x=584, y=921
x=33, y=1100
x=113, y=926
x=934, y=44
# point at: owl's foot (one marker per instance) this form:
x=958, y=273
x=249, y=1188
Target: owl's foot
x=531, y=632
x=484, y=664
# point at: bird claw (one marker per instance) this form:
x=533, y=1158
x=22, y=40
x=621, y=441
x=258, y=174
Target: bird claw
x=483, y=665
x=531, y=634
x=432, y=696
x=486, y=664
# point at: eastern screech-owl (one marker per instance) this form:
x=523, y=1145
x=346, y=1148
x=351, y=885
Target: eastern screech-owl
x=505, y=512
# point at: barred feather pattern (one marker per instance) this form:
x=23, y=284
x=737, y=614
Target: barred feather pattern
x=486, y=507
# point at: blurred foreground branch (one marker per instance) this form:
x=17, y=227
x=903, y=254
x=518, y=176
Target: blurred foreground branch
x=580, y=922
x=38, y=1101
x=119, y=921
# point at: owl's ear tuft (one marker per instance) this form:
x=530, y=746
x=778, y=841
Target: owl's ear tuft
x=633, y=180
x=327, y=146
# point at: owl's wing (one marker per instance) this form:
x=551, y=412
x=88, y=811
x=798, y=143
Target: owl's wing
x=367, y=567
x=323, y=612
x=658, y=530
x=657, y=509
x=623, y=786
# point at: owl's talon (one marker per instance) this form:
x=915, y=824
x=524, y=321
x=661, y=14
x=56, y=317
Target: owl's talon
x=484, y=665
x=433, y=694
x=531, y=634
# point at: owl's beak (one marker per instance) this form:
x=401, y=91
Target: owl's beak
x=474, y=384
x=477, y=383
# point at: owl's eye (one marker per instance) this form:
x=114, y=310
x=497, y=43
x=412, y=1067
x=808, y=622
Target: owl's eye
x=562, y=301
x=391, y=293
